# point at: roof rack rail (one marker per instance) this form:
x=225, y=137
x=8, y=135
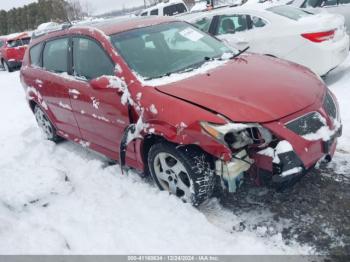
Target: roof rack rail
x=50, y=29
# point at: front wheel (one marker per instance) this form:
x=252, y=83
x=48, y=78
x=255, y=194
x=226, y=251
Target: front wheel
x=45, y=125
x=186, y=172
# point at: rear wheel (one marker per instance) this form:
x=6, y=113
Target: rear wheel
x=186, y=172
x=6, y=66
x=45, y=125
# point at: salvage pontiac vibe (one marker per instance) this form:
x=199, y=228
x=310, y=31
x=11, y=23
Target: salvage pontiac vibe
x=166, y=99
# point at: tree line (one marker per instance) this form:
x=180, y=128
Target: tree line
x=30, y=16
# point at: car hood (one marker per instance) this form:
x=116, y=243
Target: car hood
x=251, y=88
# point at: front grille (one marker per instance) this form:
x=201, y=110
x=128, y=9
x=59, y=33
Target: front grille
x=329, y=106
x=307, y=124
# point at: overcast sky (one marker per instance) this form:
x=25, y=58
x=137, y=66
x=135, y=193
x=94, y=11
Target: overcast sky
x=98, y=6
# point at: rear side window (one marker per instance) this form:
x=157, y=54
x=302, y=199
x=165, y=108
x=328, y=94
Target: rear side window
x=55, y=56
x=289, y=12
x=154, y=12
x=343, y=2
x=90, y=60
x=174, y=9
x=258, y=22
x=203, y=24
x=233, y=24
x=35, y=55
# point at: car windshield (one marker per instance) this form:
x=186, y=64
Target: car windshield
x=289, y=12
x=160, y=50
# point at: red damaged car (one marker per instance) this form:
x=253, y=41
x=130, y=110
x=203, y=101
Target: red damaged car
x=12, y=49
x=166, y=99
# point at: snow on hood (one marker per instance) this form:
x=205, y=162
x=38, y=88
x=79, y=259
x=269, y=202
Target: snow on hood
x=251, y=88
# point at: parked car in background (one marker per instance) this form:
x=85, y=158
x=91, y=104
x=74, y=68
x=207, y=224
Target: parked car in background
x=12, y=49
x=318, y=42
x=170, y=8
x=113, y=87
x=341, y=7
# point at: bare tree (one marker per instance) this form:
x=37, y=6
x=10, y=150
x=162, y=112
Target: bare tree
x=75, y=10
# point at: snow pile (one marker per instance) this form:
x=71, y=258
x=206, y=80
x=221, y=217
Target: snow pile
x=338, y=82
x=64, y=199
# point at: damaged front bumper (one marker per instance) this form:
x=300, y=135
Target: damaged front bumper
x=289, y=165
x=232, y=172
x=285, y=164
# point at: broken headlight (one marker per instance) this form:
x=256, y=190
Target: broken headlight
x=237, y=135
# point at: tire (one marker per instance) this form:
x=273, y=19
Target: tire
x=6, y=66
x=186, y=172
x=45, y=125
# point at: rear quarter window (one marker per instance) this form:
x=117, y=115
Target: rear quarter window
x=35, y=55
x=174, y=9
x=289, y=12
x=55, y=55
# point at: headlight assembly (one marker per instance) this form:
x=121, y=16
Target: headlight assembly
x=237, y=135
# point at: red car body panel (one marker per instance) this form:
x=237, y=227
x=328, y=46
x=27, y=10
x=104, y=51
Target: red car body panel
x=252, y=101
x=13, y=54
x=251, y=88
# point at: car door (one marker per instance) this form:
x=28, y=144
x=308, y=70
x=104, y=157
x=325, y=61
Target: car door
x=101, y=116
x=235, y=29
x=53, y=85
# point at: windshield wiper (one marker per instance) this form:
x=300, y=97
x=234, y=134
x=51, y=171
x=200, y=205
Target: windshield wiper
x=185, y=69
x=240, y=52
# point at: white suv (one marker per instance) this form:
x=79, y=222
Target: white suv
x=169, y=8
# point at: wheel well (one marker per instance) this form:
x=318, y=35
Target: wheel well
x=148, y=142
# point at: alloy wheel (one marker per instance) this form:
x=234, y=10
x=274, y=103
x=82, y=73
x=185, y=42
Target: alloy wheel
x=44, y=123
x=172, y=176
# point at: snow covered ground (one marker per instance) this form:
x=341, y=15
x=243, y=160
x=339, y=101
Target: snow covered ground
x=64, y=199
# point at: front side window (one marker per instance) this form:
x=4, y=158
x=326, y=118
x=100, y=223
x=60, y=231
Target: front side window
x=344, y=2
x=35, y=54
x=163, y=49
x=90, y=60
x=203, y=24
x=289, y=12
x=174, y=9
x=55, y=56
x=232, y=24
x=154, y=12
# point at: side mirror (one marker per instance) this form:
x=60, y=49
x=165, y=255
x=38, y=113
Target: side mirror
x=100, y=83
